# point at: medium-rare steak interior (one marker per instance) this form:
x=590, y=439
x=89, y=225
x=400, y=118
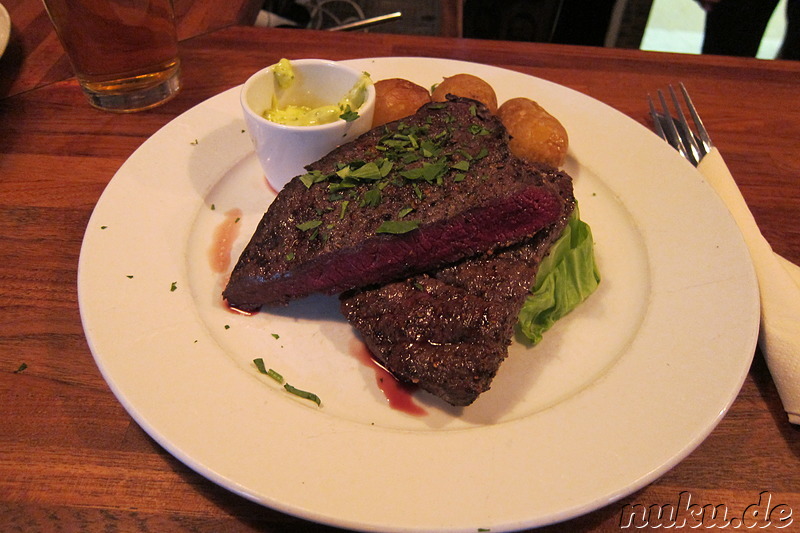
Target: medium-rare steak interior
x=409, y=197
x=448, y=330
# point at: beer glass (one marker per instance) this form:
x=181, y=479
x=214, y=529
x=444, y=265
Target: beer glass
x=124, y=52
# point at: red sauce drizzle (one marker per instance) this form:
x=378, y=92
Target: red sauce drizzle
x=219, y=254
x=238, y=311
x=398, y=394
x=270, y=187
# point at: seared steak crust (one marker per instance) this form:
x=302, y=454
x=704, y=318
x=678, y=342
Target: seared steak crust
x=447, y=170
x=448, y=331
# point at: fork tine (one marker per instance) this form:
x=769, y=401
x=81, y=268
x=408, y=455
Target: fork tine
x=656, y=119
x=692, y=146
x=673, y=137
x=701, y=129
x=684, y=130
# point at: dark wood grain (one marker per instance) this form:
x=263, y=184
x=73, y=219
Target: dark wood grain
x=71, y=459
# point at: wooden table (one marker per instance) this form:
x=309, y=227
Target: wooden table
x=71, y=459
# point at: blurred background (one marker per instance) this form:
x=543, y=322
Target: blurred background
x=677, y=26
x=658, y=25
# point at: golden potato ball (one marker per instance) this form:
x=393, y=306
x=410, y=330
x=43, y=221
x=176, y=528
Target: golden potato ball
x=466, y=86
x=536, y=135
x=397, y=98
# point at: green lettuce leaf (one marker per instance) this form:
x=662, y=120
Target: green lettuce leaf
x=566, y=277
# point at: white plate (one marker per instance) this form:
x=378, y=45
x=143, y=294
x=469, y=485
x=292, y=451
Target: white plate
x=616, y=394
x=5, y=29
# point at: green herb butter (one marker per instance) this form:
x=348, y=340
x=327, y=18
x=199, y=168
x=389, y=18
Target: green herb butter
x=301, y=113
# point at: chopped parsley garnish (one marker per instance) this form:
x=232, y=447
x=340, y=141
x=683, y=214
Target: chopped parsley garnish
x=267, y=371
x=315, y=176
x=403, y=212
x=427, y=172
x=262, y=368
x=417, y=156
x=342, y=185
x=477, y=129
x=386, y=167
x=303, y=394
x=397, y=227
x=430, y=149
x=410, y=157
x=173, y=286
x=371, y=198
x=460, y=165
x=22, y=367
x=311, y=224
x=260, y=365
x=366, y=172
x=348, y=115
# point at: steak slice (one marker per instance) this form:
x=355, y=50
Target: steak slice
x=448, y=331
x=405, y=198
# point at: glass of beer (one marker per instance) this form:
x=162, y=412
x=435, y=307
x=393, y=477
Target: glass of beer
x=124, y=52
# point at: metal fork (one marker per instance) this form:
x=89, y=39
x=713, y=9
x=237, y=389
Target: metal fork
x=676, y=130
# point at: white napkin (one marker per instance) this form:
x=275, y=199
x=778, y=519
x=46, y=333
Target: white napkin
x=779, y=284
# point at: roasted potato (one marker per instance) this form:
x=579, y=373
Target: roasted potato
x=467, y=86
x=536, y=135
x=397, y=98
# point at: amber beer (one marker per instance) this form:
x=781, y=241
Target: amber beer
x=124, y=52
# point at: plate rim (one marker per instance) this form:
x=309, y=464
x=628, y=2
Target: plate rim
x=5, y=29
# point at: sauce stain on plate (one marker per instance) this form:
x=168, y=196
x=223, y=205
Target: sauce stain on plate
x=398, y=394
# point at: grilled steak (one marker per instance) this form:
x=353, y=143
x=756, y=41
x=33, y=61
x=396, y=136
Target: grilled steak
x=449, y=330
x=405, y=198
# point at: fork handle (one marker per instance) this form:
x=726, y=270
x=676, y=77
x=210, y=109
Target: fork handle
x=780, y=292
